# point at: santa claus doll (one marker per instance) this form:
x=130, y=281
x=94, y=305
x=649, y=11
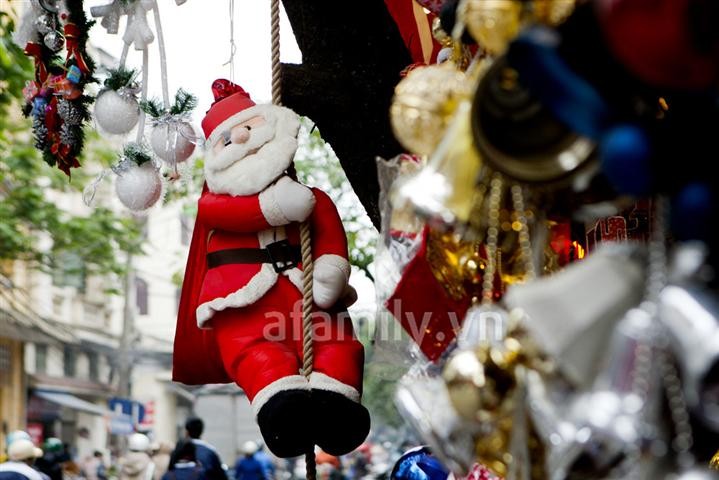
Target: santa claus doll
x=240, y=316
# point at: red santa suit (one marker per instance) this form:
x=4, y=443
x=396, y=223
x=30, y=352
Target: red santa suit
x=240, y=316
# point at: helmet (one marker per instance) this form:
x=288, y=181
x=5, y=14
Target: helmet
x=16, y=435
x=138, y=442
x=52, y=445
x=23, y=449
x=249, y=447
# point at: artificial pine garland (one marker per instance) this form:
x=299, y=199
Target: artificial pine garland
x=136, y=153
x=55, y=99
x=185, y=103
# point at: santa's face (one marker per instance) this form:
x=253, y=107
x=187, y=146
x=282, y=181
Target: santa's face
x=251, y=150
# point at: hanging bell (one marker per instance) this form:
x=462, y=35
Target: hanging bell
x=444, y=191
x=692, y=317
x=574, y=311
x=519, y=137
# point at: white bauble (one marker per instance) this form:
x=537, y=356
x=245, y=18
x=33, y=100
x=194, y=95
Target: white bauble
x=171, y=142
x=116, y=114
x=139, y=187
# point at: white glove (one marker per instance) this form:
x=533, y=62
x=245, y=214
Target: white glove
x=286, y=201
x=331, y=274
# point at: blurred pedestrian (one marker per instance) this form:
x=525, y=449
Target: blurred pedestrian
x=137, y=464
x=161, y=459
x=207, y=456
x=248, y=467
x=185, y=466
x=51, y=461
x=266, y=461
x=93, y=468
x=21, y=457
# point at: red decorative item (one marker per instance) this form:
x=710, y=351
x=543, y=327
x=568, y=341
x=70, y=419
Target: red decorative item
x=479, y=472
x=659, y=40
x=424, y=309
x=434, y=6
x=415, y=27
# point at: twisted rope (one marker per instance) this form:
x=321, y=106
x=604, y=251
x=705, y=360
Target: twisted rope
x=276, y=67
x=305, y=233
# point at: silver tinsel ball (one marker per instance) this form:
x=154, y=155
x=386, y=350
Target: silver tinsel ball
x=54, y=41
x=69, y=112
x=45, y=24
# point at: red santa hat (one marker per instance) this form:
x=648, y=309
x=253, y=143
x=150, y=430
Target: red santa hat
x=230, y=100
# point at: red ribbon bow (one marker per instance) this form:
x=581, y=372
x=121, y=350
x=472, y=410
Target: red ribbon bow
x=72, y=43
x=34, y=50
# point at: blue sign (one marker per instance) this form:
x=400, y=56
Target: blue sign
x=133, y=409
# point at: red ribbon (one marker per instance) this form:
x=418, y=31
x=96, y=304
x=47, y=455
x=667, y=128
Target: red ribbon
x=72, y=43
x=34, y=50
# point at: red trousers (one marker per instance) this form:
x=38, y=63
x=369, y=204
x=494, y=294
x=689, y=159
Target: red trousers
x=262, y=343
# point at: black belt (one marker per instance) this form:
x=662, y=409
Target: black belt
x=281, y=255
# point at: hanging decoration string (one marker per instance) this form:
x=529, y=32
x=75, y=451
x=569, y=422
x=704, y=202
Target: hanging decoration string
x=143, y=95
x=163, y=55
x=233, y=46
x=126, y=46
x=276, y=66
x=305, y=234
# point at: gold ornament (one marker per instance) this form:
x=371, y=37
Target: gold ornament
x=455, y=263
x=483, y=384
x=445, y=190
x=552, y=12
x=715, y=461
x=423, y=104
x=495, y=23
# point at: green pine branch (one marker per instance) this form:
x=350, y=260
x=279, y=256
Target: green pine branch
x=136, y=153
x=185, y=102
x=152, y=107
x=118, y=78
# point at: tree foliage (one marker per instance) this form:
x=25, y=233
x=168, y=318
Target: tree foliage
x=33, y=227
x=318, y=166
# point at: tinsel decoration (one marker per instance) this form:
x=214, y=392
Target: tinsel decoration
x=55, y=98
x=173, y=138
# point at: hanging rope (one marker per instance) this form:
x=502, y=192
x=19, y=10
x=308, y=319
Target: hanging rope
x=305, y=234
x=276, y=67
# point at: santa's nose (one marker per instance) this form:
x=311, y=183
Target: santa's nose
x=240, y=135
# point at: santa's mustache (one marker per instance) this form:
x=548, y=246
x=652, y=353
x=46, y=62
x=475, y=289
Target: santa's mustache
x=235, y=152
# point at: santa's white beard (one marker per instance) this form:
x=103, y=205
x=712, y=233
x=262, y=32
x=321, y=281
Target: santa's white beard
x=236, y=170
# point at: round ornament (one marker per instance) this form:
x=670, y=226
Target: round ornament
x=423, y=105
x=54, y=41
x=170, y=141
x=115, y=113
x=138, y=186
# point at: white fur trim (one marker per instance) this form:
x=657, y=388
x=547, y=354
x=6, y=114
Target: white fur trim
x=320, y=381
x=295, y=276
x=247, y=295
x=271, y=209
x=292, y=382
x=337, y=261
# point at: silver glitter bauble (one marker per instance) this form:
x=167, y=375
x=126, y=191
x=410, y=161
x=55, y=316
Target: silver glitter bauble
x=54, y=41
